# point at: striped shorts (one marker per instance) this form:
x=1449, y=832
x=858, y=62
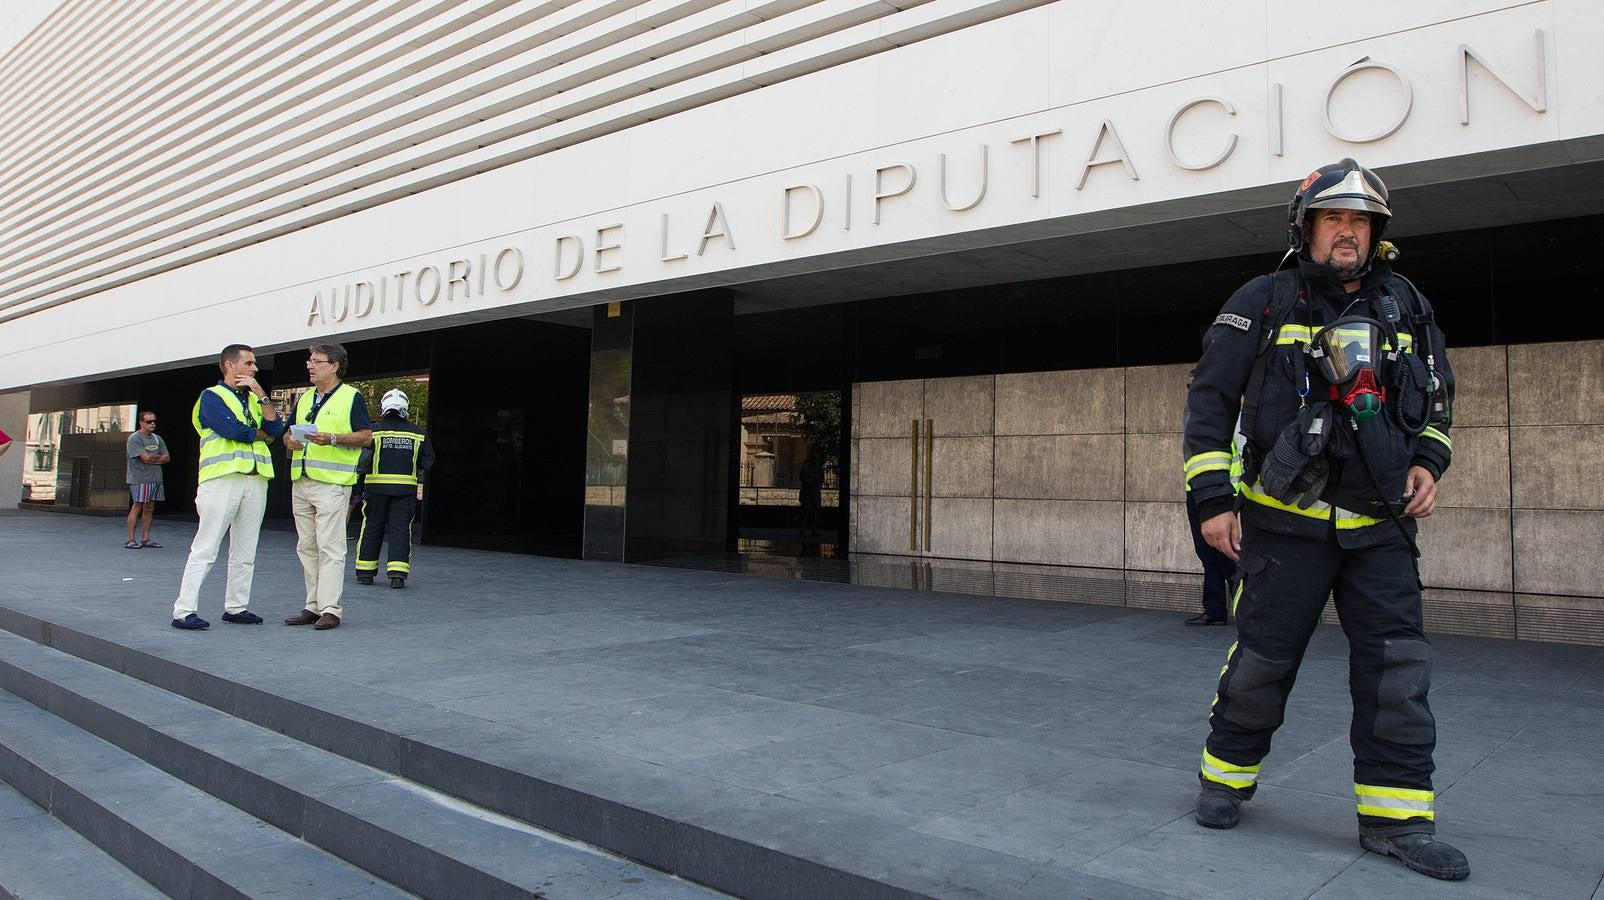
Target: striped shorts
x=144, y=493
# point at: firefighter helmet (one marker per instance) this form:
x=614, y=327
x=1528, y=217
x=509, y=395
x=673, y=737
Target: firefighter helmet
x=1341, y=185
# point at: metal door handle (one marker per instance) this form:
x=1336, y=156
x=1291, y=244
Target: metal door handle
x=913, y=490
x=930, y=453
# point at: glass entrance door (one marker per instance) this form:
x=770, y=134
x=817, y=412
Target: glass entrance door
x=789, y=474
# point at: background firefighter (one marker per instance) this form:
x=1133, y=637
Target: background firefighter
x=401, y=453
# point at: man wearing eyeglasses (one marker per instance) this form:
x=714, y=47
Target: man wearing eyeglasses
x=147, y=453
x=333, y=420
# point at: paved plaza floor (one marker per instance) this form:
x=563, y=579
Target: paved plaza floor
x=946, y=744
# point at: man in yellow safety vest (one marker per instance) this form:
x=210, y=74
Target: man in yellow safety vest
x=327, y=433
x=235, y=426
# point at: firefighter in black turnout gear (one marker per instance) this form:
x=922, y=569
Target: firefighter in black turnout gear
x=401, y=453
x=1339, y=373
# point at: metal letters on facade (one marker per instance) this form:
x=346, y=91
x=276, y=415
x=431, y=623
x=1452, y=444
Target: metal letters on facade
x=896, y=189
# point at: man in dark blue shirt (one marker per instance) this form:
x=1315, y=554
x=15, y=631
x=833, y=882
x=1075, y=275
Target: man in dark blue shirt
x=235, y=421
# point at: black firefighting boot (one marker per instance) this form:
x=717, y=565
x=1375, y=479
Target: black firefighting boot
x=398, y=581
x=1217, y=808
x=1419, y=851
x=364, y=579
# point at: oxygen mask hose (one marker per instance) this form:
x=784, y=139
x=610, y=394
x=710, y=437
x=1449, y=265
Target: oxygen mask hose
x=1392, y=513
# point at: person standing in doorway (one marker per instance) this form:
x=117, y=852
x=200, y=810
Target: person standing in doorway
x=401, y=453
x=147, y=453
x=235, y=421
x=327, y=433
x=1218, y=569
x=811, y=483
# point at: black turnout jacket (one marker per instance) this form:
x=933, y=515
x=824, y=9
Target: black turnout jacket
x=1293, y=303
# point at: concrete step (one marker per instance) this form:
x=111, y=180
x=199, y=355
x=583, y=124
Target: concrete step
x=401, y=832
x=175, y=836
x=40, y=857
x=637, y=813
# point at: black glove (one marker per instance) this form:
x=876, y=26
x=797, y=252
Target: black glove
x=1295, y=469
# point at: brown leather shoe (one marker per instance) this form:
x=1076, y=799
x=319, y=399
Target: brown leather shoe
x=304, y=617
x=329, y=620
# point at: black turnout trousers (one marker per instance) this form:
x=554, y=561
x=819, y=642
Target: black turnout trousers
x=1376, y=590
x=386, y=515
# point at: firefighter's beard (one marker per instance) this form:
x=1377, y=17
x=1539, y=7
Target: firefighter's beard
x=1347, y=268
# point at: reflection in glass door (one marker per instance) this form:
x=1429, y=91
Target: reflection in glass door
x=790, y=473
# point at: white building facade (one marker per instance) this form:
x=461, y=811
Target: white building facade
x=185, y=174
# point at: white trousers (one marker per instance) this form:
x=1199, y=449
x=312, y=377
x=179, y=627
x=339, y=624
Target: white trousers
x=320, y=511
x=232, y=505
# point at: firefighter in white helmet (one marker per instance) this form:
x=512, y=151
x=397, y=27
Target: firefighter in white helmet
x=401, y=453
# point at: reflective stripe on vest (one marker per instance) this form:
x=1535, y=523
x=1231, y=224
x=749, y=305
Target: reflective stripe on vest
x=332, y=465
x=409, y=477
x=222, y=456
x=1318, y=510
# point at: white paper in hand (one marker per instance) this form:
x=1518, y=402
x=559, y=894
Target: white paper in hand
x=299, y=432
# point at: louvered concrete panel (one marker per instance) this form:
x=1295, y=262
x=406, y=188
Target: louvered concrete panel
x=177, y=107
x=323, y=89
x=39, y=84
x=342, y=172
x=124, y=87
x=50, y=254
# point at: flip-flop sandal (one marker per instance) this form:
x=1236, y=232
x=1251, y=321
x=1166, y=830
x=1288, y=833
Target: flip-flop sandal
x=131, y=545
x=151, y=544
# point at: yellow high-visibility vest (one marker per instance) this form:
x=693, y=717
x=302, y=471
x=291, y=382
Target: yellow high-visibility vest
x=329, y=464
x=224, y=456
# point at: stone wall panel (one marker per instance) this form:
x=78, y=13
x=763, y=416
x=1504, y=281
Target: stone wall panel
x=1557, y=466
x=1481, y=385
x=1061, y=467
x=1158, y=538
x=1557, y=384
x=886, y=409
x=1084, y=401
x=1559, y=552
x=1153, y=467
x=1479, y=475
x=1155, y=398
x=1467, y=549
x=1059, y=532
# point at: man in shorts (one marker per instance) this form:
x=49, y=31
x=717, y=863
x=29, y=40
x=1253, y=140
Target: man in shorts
x=147, y=452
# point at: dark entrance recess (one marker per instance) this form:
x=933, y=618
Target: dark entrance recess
x=507, y=411
x=681, y=452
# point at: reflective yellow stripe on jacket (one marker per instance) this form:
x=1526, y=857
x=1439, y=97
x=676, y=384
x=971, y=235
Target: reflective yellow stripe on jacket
x=223, y=456
x=1318, y=510
x=1211, y=461
x=409, y=477
x=1303, y=334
